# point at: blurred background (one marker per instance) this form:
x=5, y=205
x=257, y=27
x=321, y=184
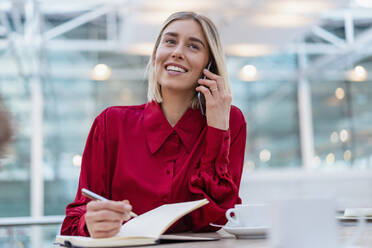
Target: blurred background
x=301, y=72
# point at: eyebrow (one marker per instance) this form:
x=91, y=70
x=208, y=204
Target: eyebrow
x=191, y=38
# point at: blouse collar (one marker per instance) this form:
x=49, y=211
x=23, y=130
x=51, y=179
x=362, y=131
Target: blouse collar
x=158, y=129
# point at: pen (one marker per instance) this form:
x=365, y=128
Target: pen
x=94, y=196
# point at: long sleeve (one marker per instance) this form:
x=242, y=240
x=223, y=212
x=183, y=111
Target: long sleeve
x=92, y=176
x=219, y=174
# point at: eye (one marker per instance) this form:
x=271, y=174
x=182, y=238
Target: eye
x=170, y=41
x=194, y=46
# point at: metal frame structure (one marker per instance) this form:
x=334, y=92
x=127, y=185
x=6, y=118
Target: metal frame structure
x=26, y=42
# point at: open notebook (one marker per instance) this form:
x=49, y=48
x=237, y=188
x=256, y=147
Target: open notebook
x=143, y=230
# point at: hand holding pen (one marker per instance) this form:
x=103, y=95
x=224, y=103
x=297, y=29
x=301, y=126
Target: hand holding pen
x=93, y=196
x=105, y=217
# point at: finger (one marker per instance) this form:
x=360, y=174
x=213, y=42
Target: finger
x=206, y=92
x=117, y=206
x=103, y=231
x=127, y=205
x=102, y=226
x=106, y=226
x=105, y=215
x=211, y=84
x=109, y=234
x=219, y=80
x=227, y=98
x=211, y=75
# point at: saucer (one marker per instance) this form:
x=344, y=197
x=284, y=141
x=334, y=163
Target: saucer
x=247, y=232
x=352, y=218
x=258, y=232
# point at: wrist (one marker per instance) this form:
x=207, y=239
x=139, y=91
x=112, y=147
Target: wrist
x=223, y=125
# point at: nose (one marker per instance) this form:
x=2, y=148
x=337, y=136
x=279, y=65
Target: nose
x=178, y=52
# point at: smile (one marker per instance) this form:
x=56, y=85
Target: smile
x=175, y=68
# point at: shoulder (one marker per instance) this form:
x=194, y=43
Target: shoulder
x=237, y=120
x=236, y=116
x=120, y=113
x=113, y=119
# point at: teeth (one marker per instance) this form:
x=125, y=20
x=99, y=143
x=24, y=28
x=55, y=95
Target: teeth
x=175, y=68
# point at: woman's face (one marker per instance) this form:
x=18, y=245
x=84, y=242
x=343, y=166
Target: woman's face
x=181, y=56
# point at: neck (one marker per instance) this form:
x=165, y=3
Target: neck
x=174, y=106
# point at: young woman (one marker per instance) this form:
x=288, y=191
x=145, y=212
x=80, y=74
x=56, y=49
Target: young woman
x=166, y=150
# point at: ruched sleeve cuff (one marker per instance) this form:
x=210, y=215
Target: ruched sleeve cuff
x=83, y=230
x=216, y=151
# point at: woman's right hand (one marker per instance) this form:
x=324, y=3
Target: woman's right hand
x=104, y=218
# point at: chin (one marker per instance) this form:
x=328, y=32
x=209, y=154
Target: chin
x=176, y=85
x=177, y=88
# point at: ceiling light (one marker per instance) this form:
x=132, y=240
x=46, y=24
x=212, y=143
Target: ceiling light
x=248, y=73
x=101, y=72
x=330, y=159
x=358, y=74
x=344, y=135
x=299, y=7
x=340, y=93
x=347, y=155
x=249, y=50
x=281, y=20
x=265, y=155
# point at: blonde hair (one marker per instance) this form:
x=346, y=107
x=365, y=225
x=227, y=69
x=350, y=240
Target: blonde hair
x=217, y=57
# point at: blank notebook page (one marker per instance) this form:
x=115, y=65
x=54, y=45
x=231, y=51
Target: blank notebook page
x=155, y=222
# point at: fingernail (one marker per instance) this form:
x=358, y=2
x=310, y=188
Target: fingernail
x=128, y=207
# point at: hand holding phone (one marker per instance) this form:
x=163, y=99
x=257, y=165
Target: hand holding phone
x=218, y=98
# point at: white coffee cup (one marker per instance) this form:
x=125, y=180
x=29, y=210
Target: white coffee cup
x=248, y=215
x=303, y=222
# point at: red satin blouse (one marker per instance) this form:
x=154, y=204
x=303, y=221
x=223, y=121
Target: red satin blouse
x=133, y=153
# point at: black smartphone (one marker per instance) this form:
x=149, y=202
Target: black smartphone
x=201, y=97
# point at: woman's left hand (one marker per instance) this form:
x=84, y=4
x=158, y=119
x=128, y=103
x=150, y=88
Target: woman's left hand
x=218, y=100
